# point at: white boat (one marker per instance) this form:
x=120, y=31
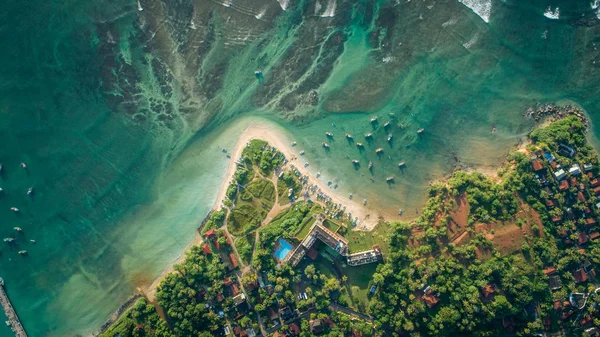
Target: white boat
x=329, y=134
x=18, y=229
x=374, y=119
x=14, y=209
x=364, y=201
x=30, y=191
x=390, y=138
x=302, y=152
x=293, y=143
x=400, y=211
x=23, y=165
x=32, y=241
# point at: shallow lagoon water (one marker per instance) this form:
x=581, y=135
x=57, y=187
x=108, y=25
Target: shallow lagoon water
x=116, y=201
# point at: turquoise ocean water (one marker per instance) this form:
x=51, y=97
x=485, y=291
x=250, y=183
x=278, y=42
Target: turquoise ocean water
x=120, y=116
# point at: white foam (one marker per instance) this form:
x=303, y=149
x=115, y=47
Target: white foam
x=483, y=8
x=330, y=10
x=554, y=15
x=284, y=4
x=261, y=14
x=596, y=6
x=472, y=41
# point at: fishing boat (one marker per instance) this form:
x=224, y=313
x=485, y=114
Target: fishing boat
x=318, y=174
x=32, y=241
x=349, y=136
x=9, y=240
x=18, y=229
x=305, y=164
x=369, y=135
x=355, y=162
x=364, y=201
x=228, y=156
x=350, y=196
x=258, y=74
x=30, y=191
x=374, y=119
x=389, y=179
x=359, y=144
x=387, y=124
x=390, y=137
x=370, y=164
x=14, y=209
x=302, y=152
x=325, y=145
x=420, y=131
x=293, y=143
x=329, y=134
x=224, y=150
x=22, y=252
x=400, y=211
x=401, y=164
x=23, y=165
x=379, y=150
x=329, y=183
x=335, y=186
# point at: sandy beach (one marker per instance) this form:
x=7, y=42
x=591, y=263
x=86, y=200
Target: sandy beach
x=368, y=216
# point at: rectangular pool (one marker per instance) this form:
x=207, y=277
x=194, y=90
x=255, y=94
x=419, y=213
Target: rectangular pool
x=282, y=249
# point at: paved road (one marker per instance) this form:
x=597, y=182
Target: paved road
x=348, y=311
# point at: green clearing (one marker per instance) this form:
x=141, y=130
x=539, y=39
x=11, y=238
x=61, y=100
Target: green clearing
x=331, y=225
x=305, y=227
x=252, y=206
x=245, y=218
x=244, y=246
x=359, y=280
x=287, y=181
x=359, y=240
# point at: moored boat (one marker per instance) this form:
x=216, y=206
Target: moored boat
x=23, y=165
x=294, y=143
x=359, y=144
x=9, y=240
x=370, y=164
x=420, y=130
x=302, y=152
x=349, y=136
x=390, y=137
x=355, y=162
x=387, y=124
x=18, y=229
x=374, y=119
x=30, y=191
x=401, y=164
x=364, y=201
x=325, y=145
x=22, y=252
x=400, y=211
x=379, y=150
x=14, y=209
x=389, y=179
x=328, y=134
x=369, y=135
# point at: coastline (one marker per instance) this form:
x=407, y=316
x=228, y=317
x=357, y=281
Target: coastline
x=368, y=216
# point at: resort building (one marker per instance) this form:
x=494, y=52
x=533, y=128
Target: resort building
x=334, y=241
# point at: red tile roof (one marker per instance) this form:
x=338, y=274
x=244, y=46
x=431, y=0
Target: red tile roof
x=487, y=290
x=210, y=232
x=580, y=275
x=206, y=249
x=590, y=221
x=537, y=165
x=580, y=196
x=582, y=238
x=233, y=260
x=563, y=185
x=594, y=235
x=557, y=304
x=549, y=271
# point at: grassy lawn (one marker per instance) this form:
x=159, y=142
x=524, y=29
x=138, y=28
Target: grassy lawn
x=305, y=227
x=331, y=225
x=359, y=240
x=244, y=246
x=359, y=279
x=284, y=184
x=252, y=206
x=245, y=218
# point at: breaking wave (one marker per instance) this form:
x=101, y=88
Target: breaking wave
x=483, y=8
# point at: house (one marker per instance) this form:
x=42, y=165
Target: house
x=537, y=165
x=234, y=263
x=595, y=182
x=560, y=174
x=593, y=332
x=566, y=150
x=597, y=191
x=549, y=271
x=316, y=326
x=488, y=290
x=580, y=275
x=220, y=298
x=554, y=282
x=549, y=203
x=239, y=299
x=234, y=289
x=587, y=167
x=226, y=330
x=430, y=299
x=206, y=249
x=549, y=157
x=594, y=235
x=554, y=165
x=564, y=185
x=582, y=238
x=575, y=170
x=286, y=313
x=294, y=329
x=227, y=281
x=557, y=218
x=580, y=196
x=590, y=222
x=558, y=305
x=210, y=233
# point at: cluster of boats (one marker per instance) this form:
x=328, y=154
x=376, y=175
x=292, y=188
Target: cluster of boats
x=11, y=240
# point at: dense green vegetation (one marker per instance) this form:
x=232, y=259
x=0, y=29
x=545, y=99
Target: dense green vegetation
x=431, y=284
x=140, y=320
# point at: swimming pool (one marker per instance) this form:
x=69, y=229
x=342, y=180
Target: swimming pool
x=282, y=249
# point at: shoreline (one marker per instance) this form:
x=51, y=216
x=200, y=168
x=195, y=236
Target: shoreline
x=368, y=216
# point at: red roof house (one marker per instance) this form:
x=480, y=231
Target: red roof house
x=206, y=249
x=233, y=260
x=210, y=233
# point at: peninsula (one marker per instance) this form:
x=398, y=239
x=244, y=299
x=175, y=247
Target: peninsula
x=283, y=255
